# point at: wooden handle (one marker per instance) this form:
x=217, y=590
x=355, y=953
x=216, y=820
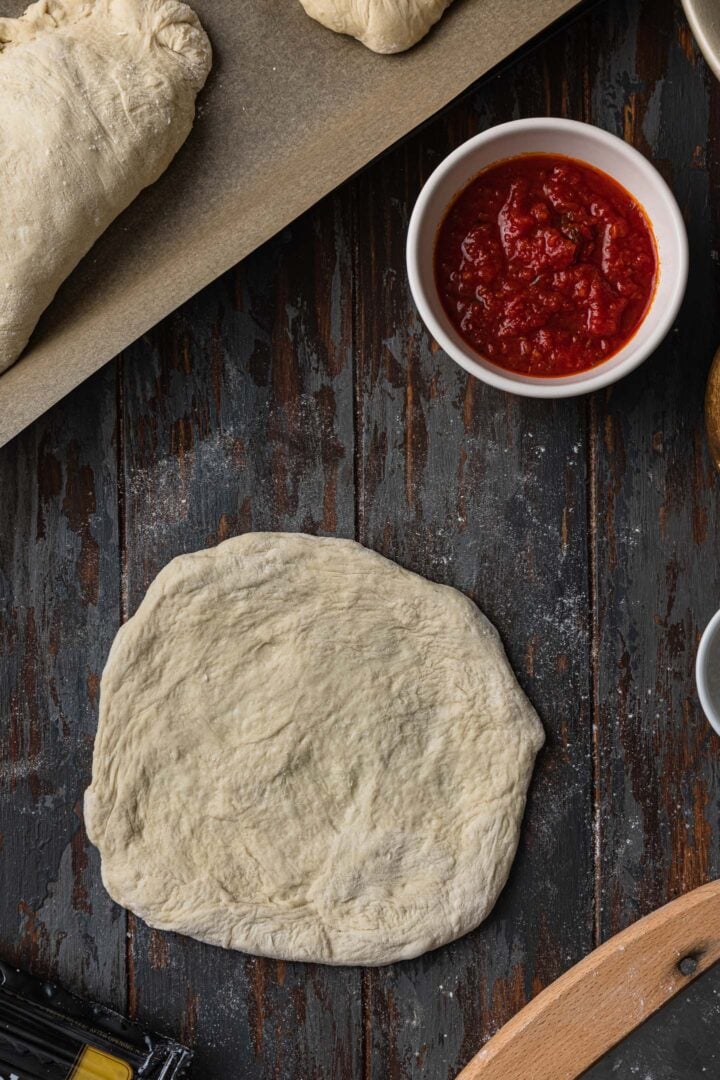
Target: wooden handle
x=712, y=410
x=591, y=1008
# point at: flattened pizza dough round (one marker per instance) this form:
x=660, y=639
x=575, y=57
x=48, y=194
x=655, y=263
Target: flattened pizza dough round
x=309, y=753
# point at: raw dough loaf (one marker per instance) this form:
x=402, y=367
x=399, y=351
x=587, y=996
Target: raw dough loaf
x=385, y=26
x=96, y=97
x=308, y=753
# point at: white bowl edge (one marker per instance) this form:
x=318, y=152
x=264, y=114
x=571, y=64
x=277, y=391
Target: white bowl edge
x=712, y=711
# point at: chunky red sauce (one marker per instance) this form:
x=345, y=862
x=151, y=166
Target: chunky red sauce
x=545, y=265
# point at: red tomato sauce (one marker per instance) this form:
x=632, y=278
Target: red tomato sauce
x=545, y=265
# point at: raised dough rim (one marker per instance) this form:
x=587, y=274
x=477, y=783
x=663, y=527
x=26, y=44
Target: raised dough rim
x=418, y=946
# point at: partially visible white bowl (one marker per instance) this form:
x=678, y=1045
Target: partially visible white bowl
x=704, y=19
x=707, y=671
x=576, y=140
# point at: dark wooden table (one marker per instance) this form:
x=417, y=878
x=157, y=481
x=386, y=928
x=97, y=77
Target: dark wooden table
x=300, y=391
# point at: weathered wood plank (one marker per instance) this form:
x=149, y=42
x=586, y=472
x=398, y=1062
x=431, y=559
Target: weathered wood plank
x=485, y=492
x=657, y=523
x=59, y=601
x=238, y=415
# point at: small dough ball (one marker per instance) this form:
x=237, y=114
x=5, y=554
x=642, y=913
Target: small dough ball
x=385, y=26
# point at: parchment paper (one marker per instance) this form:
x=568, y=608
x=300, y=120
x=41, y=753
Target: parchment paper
x=290, y=111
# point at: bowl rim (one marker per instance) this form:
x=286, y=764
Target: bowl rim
x=708, y=635
x=547, y=386
x=705, y=31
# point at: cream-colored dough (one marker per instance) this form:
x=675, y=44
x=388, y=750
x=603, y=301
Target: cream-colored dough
x=309, y=753
x=96, y=97
x=385, y=26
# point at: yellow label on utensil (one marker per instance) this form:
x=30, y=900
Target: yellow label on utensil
x=97, y=1065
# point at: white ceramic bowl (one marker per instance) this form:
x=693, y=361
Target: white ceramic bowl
x=704, y=19
x=707, y=671
x=575, y=140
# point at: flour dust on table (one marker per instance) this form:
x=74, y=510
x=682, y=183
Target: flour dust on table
x=310, y=753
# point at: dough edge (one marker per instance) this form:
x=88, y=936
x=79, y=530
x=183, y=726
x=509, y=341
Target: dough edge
x=248, y=934
x=386, y=27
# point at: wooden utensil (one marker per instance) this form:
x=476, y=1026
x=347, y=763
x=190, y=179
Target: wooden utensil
x=592, y=1007
x=712, y=410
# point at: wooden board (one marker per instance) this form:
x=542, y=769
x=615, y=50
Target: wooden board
x=680, y=1040
x=591, y=1008
x=300, y=391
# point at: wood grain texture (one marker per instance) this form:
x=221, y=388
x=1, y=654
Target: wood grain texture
x=237, y=414
x=487, y=493
x=301, y=391
x=59, y=598
x=656, y=525
x=679, y=1041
